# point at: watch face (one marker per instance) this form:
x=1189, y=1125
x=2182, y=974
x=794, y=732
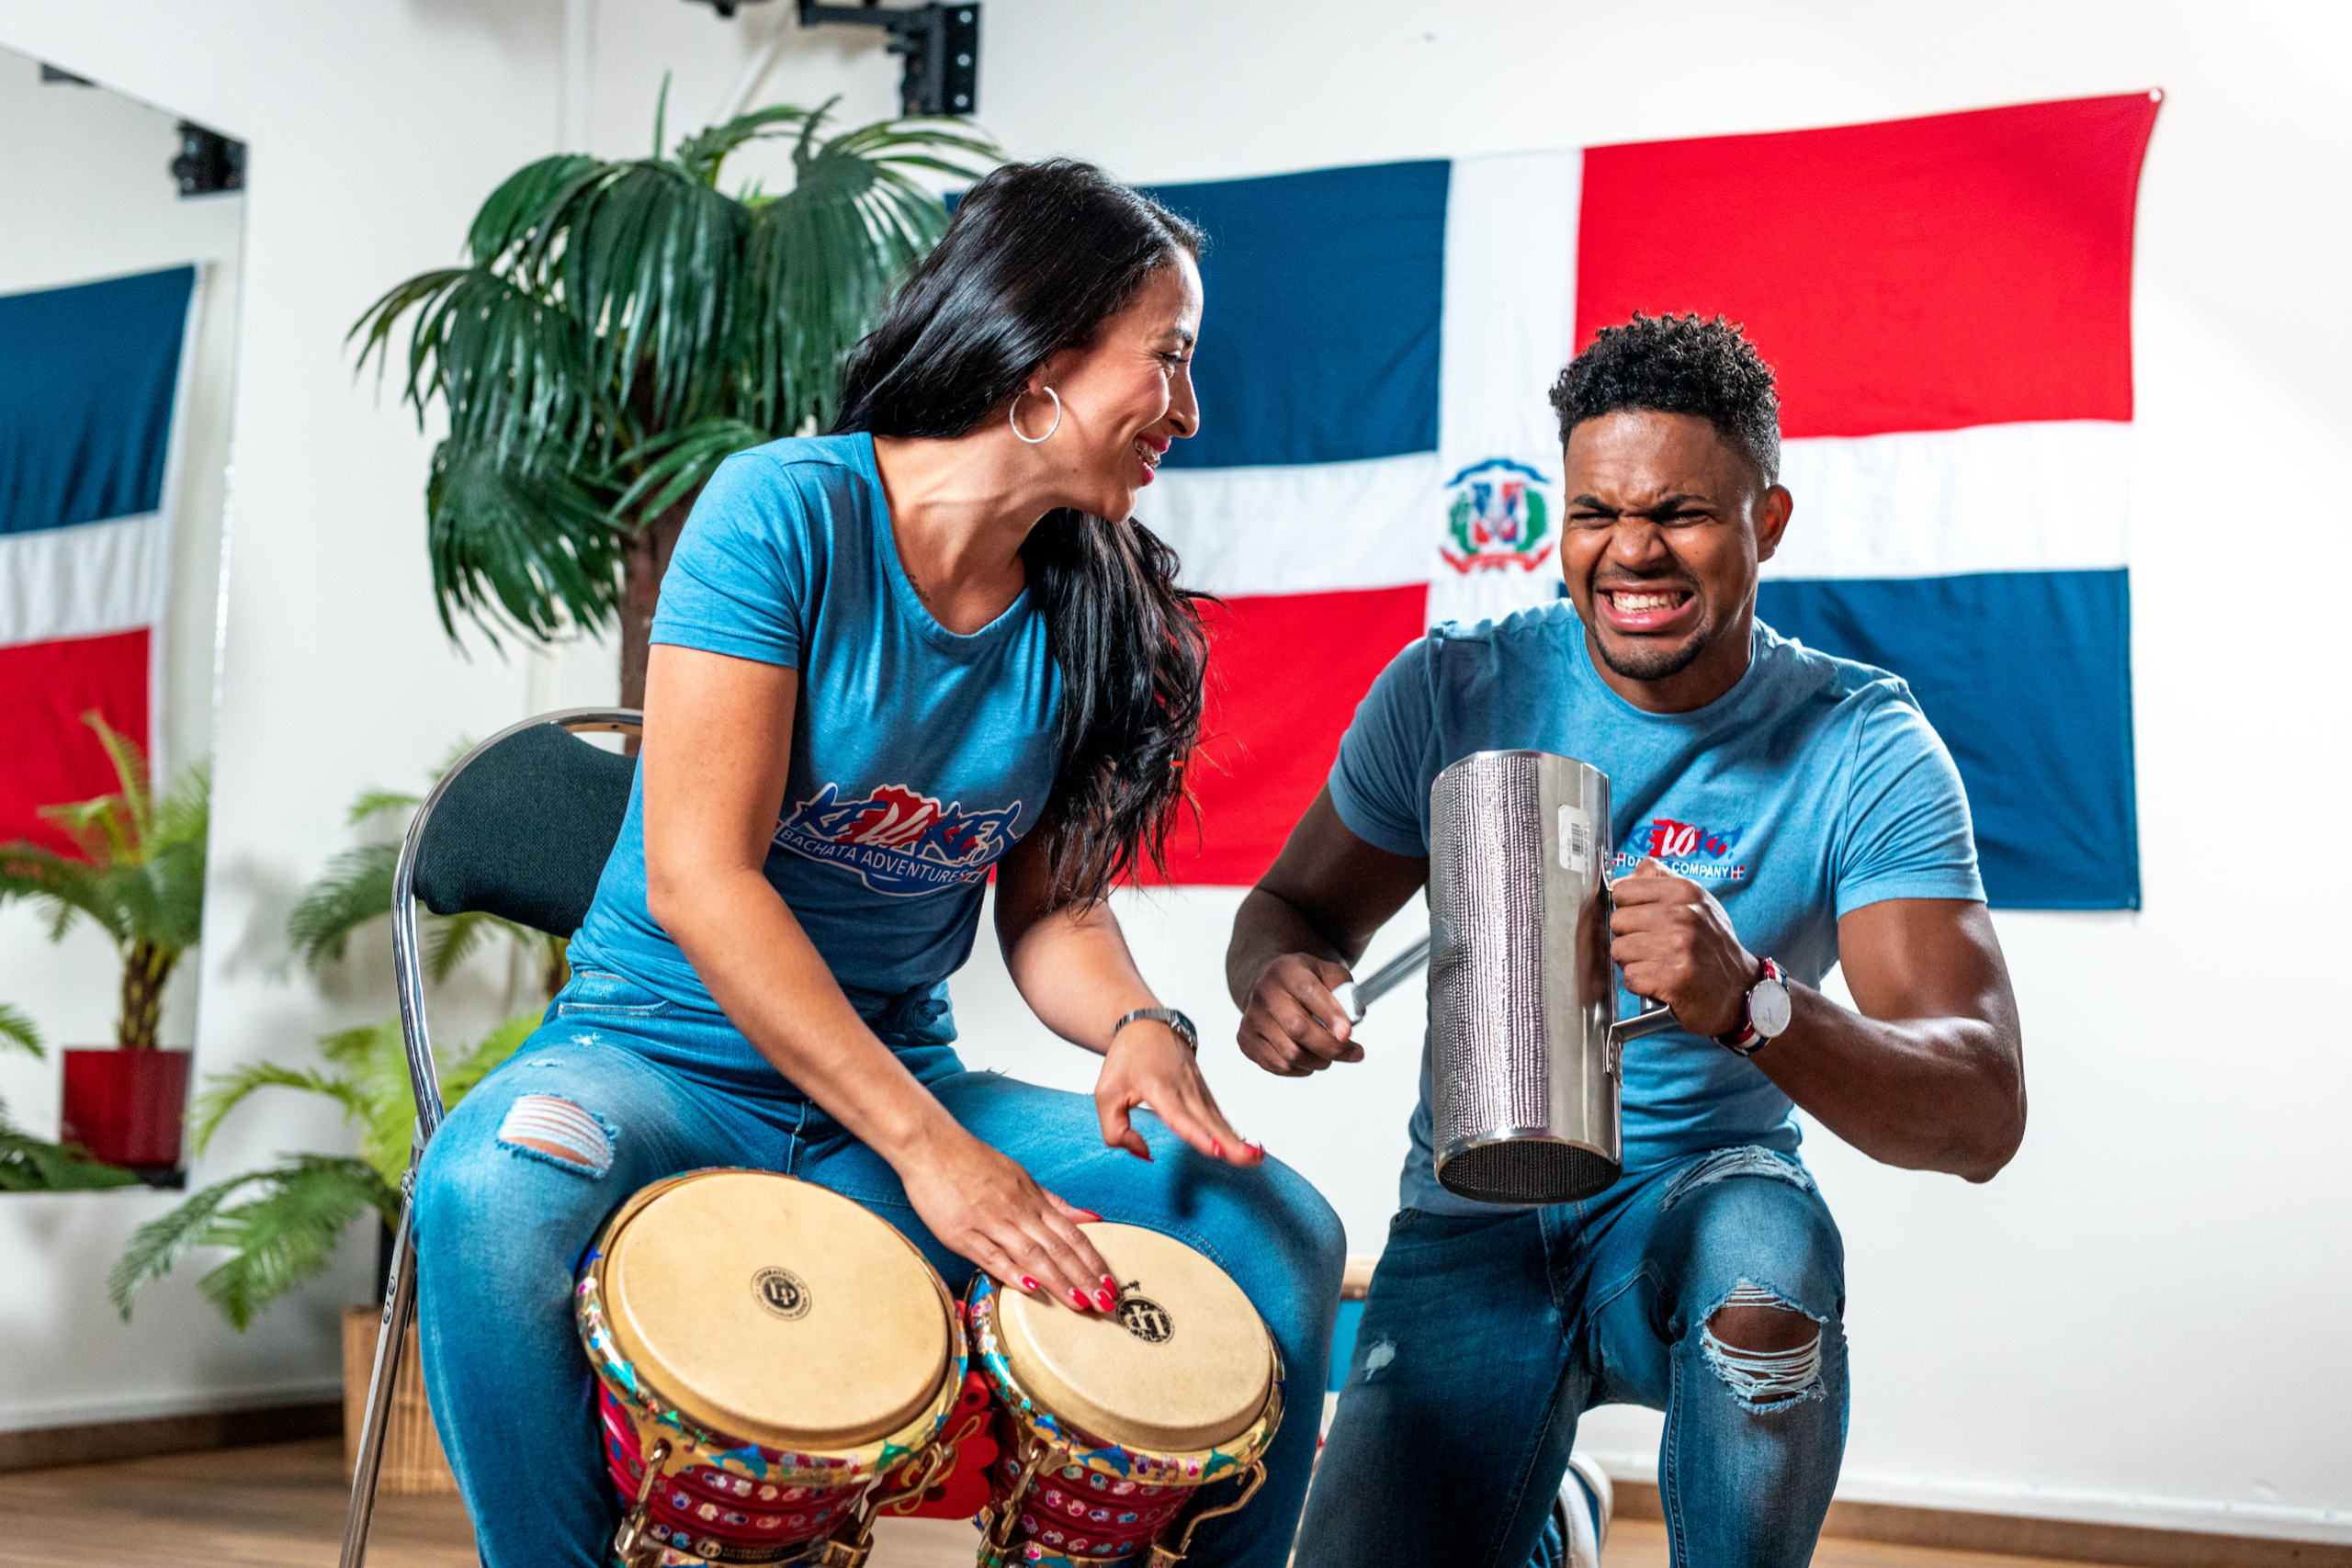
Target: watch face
x=1768, y=1008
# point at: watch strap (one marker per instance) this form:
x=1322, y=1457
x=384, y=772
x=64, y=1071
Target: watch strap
x=1747, y=1040
x=1175, y=1021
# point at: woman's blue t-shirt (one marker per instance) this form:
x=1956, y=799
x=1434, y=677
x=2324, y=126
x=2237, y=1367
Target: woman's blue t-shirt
x=919, y=756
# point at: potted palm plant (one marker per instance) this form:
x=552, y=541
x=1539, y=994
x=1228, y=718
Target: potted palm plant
x=138, y=876
x=621, y=328
x=35, y=1165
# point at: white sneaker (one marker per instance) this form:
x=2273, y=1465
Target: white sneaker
x=1582, y=1509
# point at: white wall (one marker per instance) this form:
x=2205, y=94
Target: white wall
x=2124, y=1326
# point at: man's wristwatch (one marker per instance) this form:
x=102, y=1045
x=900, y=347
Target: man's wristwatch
x=1763, y=1013
x=1169, y=1016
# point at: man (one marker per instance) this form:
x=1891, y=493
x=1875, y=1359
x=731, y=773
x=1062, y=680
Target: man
x=1778, y=812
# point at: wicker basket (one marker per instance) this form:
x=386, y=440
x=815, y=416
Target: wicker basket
x=413, y=1457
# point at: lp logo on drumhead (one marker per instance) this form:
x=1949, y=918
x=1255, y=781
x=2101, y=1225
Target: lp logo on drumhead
x=1146, y=1319
x=782, y=1291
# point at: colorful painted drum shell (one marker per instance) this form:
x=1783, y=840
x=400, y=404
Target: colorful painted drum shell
x=1197, y=1466
x=698, y=1508
x=634, y=1395
x=1085, y=1516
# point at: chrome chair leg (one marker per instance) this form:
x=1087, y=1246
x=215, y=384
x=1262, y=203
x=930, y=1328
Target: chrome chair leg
x=400, y=1312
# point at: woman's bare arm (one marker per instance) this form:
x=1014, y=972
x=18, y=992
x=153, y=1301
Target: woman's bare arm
x=1074, y=970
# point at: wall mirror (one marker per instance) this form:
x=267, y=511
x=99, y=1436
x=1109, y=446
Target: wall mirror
x=118, y=303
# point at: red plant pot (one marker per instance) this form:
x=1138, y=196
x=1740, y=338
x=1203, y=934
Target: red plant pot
x=126, y=1107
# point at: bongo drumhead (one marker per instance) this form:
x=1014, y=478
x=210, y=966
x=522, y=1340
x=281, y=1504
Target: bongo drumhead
x=1185, y=1363
x=776, y=1312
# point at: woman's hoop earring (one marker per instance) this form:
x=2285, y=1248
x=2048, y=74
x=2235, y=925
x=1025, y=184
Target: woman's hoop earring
x=1012, y=411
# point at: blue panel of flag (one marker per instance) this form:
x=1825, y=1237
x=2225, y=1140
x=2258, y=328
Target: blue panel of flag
x=86, y=380
x=2025, y=676
x=1319, y=343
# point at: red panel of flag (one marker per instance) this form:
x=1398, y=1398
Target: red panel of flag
x=1930, y=274
x=1285, y=673
x=50, y=685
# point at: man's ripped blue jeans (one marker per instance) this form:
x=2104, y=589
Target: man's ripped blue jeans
x=1483, y=1338
x=620, y=1089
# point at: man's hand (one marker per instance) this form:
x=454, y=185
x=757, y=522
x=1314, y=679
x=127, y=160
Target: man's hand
x=1292, y=1024
x=1677, y=946
x=1309, y=917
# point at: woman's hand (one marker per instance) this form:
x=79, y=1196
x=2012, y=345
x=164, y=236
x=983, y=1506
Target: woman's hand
x=986, y=1208
x=1149, y=1063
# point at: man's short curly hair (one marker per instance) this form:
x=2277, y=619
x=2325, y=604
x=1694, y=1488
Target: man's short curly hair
x=1677, y=365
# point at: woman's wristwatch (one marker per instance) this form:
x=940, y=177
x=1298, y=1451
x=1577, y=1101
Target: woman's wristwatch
x=1175, y=1021
x=1763, y=1013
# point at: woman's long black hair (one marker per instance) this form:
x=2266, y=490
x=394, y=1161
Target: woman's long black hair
x=1038, y=257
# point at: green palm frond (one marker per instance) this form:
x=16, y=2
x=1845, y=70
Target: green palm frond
x=625, y=325
x=456, y=938
x=675, y=464
x=377, y=801
x=518, y=546
x=63, y=886
x=356, y=888
x=139, y=872
x=289, y=1233
x=702, y=153
x=16, y=1028
x=157, y=1244
x=277, y=1240
x=227, y=1090
x=497, y=1045
x=34, y=1165
x=381, y=1072
x=518, y=209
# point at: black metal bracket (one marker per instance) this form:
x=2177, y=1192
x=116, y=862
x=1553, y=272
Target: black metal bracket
x=941, y=43
x=209, y=161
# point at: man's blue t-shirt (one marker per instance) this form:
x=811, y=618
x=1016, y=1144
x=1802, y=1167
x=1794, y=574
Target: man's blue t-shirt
x=919, y=756
x=1811, y=787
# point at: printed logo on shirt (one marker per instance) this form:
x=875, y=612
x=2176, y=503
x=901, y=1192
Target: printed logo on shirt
x=898, y=841
x=1686, y=849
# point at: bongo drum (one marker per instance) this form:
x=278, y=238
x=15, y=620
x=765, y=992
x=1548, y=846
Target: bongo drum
x=1111, y=1425
x=765, y=1352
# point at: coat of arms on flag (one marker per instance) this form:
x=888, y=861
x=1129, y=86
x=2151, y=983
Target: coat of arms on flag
x=1946, y=302
x=1498, y=516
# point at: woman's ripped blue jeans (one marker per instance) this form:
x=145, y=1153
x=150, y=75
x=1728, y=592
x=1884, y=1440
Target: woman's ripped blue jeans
x=620, y=1089
x=1485, y=1337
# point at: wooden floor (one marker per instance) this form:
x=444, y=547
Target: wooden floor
x=282, y=1508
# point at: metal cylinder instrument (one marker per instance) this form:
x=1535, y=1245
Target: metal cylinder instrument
x=1524, y=1042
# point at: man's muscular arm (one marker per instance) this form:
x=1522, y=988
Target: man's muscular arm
x=1930, y=1073
x=1307, y=920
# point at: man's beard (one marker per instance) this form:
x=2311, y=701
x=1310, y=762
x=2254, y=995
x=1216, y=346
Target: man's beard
x=1644, y=663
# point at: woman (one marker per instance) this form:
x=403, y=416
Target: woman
x=936, y=638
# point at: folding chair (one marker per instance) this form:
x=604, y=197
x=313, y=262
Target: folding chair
x=521, y=828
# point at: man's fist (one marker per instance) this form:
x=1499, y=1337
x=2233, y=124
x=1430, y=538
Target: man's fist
x=1293, y=1026
x=1677, y=946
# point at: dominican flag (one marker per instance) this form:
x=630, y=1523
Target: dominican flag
x=90, y=392
x=1946, y=304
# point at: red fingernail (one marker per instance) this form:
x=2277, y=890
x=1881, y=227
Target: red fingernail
x=1027, y=1283
x=1090, y=1215
x=1216, y=1149
x=1079, y=1299
x=1106, y=1300
x=1108, y=1281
